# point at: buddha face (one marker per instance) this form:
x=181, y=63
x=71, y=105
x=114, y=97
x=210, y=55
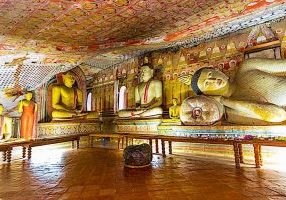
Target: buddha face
x=69, y=80
x=29, y=96
x=1, y=109
x=175, y=101
x=146, y=74
x=213, y=82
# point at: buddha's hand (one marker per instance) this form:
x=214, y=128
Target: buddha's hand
x=185, y=78
x=139, y=111
x=79, y=113
x=74, y=112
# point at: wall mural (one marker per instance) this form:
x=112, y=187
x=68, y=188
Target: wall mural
x=176, y=67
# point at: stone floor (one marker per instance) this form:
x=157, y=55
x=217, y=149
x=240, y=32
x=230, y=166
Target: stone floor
x=93, y=173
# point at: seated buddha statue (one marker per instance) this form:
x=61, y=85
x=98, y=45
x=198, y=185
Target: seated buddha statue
x=67, y=100
x=148, y=96
x=174, y=111
x=258, y=91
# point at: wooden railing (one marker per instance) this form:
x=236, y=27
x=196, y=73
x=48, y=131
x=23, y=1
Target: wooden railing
x=257, y=143
x=27, y=145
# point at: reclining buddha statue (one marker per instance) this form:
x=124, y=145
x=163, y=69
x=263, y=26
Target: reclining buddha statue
x=67, y=100
x=148, y=96
x=258, y=93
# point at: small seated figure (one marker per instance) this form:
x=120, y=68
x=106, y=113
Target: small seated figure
x=5, y=126
x=257, y=93
x=148, y=96
x=174, y=111
x=174, y=114
x=28, y=108
x=67, y=100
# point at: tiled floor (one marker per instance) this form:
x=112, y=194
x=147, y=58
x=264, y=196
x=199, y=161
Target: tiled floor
x=93, y=173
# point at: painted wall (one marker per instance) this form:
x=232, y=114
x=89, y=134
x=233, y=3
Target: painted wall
x=224, y=54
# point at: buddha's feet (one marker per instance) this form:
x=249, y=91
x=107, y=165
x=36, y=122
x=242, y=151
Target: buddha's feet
x=66, y=115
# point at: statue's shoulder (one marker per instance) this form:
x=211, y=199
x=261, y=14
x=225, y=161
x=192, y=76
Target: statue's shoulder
x=56, y=87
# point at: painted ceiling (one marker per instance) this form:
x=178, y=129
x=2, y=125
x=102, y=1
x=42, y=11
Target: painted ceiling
x=77, y=26
x=39, y=38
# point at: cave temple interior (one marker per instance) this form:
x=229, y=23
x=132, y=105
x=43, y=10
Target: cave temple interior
x=143, y=99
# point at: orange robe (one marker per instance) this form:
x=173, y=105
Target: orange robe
x=27, y=121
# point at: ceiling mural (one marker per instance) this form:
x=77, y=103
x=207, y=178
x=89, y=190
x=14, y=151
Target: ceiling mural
x=39, y=38
x=87, y=25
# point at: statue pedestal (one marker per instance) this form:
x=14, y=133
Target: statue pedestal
x=171, y=122
x=68, y=128
x=138, y=126
x=222, y=131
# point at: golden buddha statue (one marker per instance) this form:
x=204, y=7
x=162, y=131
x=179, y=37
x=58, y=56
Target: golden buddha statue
x=67, y=100
x=5, y=126
x=256, y=95
x=148, y=96
x=174, y=111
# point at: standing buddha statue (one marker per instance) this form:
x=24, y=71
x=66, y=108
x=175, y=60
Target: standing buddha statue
x=28, y=108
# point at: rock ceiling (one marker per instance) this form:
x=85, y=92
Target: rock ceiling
x=77, y=26
x=39, y=38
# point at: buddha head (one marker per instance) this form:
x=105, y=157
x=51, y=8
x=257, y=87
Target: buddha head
x=28, y=96
x=1, y=109
x=210, y=82
x=175, y=101
x=146, y=73
x=68, y=79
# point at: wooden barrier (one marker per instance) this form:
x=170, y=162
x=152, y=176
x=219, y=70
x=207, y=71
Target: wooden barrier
x=236, y=143
x=7, y=148
x=52, y=140
x=257, y=144
x=170, y=139
x=27, y=145
x=222, y=141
